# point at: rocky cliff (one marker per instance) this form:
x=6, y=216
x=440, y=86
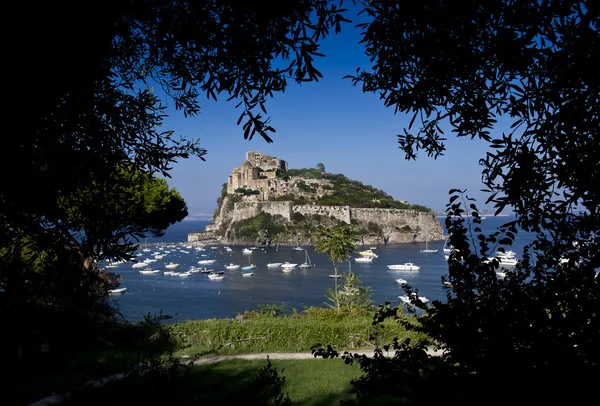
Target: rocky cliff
x=264, y=201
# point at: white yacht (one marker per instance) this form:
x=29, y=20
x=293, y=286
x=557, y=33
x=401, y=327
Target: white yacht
x=364, y=260
x=406, y=299
x=401, y=281
x=140, y=265
x=287, y=265
x=274, y=265
x=246, y=251
x=207, y=261
x=407, y=266
x=149, y=271
x=232, y=267
x=172, y=265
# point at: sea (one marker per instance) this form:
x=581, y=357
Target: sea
x=197, y=297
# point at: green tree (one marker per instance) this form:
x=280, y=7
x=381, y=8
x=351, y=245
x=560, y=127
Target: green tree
x=320, y=167
x=338, y=243
x=353, y=297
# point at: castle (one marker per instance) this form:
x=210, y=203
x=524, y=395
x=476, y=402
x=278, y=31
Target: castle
x=257, y=172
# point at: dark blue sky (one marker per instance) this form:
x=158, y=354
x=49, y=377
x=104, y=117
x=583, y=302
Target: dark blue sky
x=329, y=122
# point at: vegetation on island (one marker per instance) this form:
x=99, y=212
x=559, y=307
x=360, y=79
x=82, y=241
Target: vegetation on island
x=343, y=191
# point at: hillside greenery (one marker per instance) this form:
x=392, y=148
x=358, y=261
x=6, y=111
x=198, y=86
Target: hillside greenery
x=347, y=192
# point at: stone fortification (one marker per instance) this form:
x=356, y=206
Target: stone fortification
x=261, y=187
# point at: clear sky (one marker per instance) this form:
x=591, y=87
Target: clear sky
x=329, y=122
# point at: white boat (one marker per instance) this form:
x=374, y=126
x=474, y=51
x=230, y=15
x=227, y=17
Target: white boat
x=215, y=276
x=228, y=249
x=139, y=254
x=372, y=248
x=111, y=266
x=140, y=265
x=193, y=269
x=146, y=250
x=335, y=276
x=207, y=261
x=184, y=274
x=368, y=253
x=298, y=248
x=427, y=250
x=249, y=267
x=447, y=248
x=364, y=260
x=401, y=281
x=246, y=251
x=214, y=248
x=247, y=274
x=501, y=274
x=155, y=253
x=118, y=290
x=274, y=265
x=159, y=256
x=174, y=273
x=150, y=261
x=149, y=271
x=168, y=273
x=307, y=263
x=172, y=265
x=406, y=299
x=232, y=267
x=288, y=265
x=407, y=266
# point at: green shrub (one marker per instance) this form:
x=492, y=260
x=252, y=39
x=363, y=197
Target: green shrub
x=283, y=334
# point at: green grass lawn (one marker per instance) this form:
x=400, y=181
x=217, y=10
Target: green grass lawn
x=308, y=382
x=231, y=382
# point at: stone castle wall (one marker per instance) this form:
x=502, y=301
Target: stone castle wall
x=244, y=210
x=341, y=213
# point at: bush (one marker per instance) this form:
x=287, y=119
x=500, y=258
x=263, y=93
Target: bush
x=285, y=334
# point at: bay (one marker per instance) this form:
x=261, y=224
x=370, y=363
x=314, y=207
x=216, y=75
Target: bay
x=197, y=297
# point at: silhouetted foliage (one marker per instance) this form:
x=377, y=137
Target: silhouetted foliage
x=320, y=167
x=528, y=64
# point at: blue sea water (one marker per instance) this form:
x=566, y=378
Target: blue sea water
x=196, y=297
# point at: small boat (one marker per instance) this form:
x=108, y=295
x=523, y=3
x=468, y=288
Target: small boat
x=298, y=248
x=406, y=299
x=307, y=263
x=401, y=281
x=372, y=248
x=149, y=271
x=139, y=254
x=189, y=247
x=246, y=251
x=427, y=250
x=215, y=276
x=146, y=250
x=407, y=266
x=184, y=274
x=205, y=270
x=288, y=265
x=140, y=265
x=193, y=269
x=364, y=260
x=368, y=253
x=172, y=265
x=247, y=274
x=214, y=248
x=228, y=249
x=335, y=276
x=168, y=273
x=118, y=290
x=174, y=273
x=150, y=261
x=448, y=285
x=111, y=266
x=274, y=265
x=249, y=267
x=483, y=218
x=253, y=248
x=207, y=261
x=159, y=256
x=232, y=267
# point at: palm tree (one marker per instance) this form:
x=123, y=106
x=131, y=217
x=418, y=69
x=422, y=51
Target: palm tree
x=338, y=243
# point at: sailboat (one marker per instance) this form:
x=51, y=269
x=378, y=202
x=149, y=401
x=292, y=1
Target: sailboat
x=307, y=263
x=298, y=247
x=250, y=266
x=427, y=250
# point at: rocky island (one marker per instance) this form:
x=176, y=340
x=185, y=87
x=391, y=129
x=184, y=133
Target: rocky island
x=264, y=201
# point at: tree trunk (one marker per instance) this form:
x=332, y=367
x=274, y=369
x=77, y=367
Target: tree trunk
x=337, y=298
